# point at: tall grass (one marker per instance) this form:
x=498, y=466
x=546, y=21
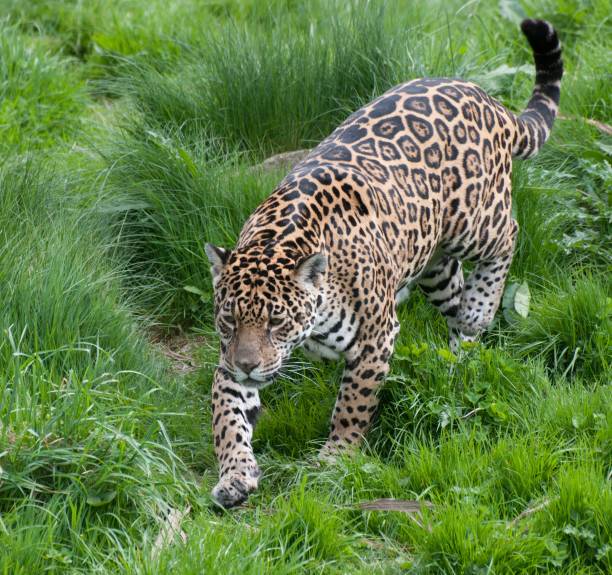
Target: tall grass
x=163, y=198
x=570, y=327
x=127, y=133
x=271, y=90
x=283, y=87
x=41, y=94
x=84, y=446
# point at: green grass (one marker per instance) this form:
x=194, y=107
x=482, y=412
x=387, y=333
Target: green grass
x=127, y=132
x=41, y=94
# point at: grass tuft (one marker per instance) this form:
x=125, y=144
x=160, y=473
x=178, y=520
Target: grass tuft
x=570, y=328
x=41, y=93
x=127, y=134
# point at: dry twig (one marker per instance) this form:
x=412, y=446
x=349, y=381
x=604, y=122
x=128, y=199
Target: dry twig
x=529, y=511
x=596, y=123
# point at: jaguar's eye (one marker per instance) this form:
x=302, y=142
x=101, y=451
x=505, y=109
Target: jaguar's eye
x=276, y=321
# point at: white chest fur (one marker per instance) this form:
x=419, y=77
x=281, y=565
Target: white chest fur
x=317, y=351
x=333, y=334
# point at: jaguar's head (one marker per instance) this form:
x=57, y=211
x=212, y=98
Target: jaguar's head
x=265, y=306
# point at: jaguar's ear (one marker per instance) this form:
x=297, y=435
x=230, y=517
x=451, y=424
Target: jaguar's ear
x=309, y=272
x=218, y=258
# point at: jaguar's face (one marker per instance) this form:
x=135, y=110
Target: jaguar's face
x=265, y=306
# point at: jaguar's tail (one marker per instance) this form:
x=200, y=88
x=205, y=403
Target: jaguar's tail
x=535, y=123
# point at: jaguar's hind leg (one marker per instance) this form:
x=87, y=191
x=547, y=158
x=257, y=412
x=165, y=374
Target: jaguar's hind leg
x=442, y=284
x=484, y=287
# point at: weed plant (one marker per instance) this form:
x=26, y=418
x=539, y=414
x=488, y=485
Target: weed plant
x=128, y=134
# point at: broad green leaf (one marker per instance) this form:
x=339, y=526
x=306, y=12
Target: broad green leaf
x=505, y=70
x=508, y=299
x=496, y=80
x=370, y=468
x=512, y=10
x=516, y=301
x=498, y=411
x=189, y=164
x=444, y=419
x=195, y=290
x=447, y=355
x=522, y=297
x=98, y=499
x=606, y=148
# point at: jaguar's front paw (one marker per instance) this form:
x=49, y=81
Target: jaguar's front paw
x=234, y=488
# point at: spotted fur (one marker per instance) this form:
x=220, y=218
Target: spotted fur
x=400, y=194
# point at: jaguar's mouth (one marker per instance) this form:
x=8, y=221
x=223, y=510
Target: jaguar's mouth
x=253, y=380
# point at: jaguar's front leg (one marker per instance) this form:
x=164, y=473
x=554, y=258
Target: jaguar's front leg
x=235, y=409
x=366, y=367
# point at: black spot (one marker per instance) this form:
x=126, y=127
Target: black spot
x=233, y=392
x=339, y=173
x=434, y=183
x=252, y=415
x=471, y=164
x=450, y=92
x=401, y=175
x=460, y=132
x=367, y=147
x=418, y=104
x=413, y=88
x=411, y=150
x=450, y=152
x=287, y=210
x=454, y=206
x=451, y=179
x=432, y=81
x=374, y=168
x=489, y=119
x=466, y=109
x=388, y=127
x=388, y=151
x=421, y=128
x=474, y=135
x=420, y=183
x=307, y=187
x=337, y=153
x=384, y=107
x=433, y=156
x=321, y=176
x=352, y=134
x=442, y=129
x=444, y=107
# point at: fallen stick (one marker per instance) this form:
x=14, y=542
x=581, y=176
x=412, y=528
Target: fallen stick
x=529, y=511
x=596, y=123
x=402, y=505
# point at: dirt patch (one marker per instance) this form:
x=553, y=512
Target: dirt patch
x=286, y=161
x=180, y=350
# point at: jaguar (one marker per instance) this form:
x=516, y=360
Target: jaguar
x=402, y=193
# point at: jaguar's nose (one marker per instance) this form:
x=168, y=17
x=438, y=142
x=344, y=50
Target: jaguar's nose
x=247, y=365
